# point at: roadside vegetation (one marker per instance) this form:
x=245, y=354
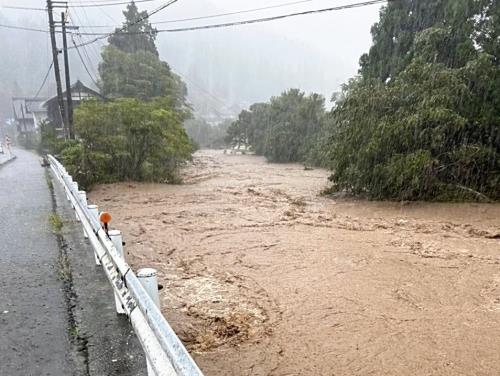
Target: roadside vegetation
x=421, y=120
x=56, y=223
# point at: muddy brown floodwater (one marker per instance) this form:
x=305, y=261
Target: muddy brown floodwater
x=263, y=276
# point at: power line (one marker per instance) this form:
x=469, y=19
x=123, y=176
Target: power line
x=77, y=5
x=201, y=88
x=216, y=15
x=22, y=8
x=101, y=36
x=99, y=4
x=274, y=18
x=119, y=31
x=45, y=79
x=251, y=21
x=105, y=1
x=92, y=46
x=89, y=60
x=83, y=62
x=22, y=28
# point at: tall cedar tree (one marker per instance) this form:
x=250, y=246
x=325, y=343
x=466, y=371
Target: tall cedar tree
x=131, y=66
x=142, y=35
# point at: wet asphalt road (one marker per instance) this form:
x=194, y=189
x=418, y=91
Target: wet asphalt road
x=33, y=315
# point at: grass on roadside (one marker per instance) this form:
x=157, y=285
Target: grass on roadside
x=56, y=223
x=49, y=181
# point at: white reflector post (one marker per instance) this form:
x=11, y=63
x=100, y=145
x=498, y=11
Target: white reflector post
x=116, y=238
x=149, y=280
x=94, y=212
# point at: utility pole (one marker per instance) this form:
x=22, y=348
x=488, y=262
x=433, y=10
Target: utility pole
x=69, y=96
x=55, y=57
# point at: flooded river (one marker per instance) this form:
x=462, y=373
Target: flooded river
x=263, y=276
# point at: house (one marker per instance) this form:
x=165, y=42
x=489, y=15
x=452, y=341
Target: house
x=28, y=114
x=79, y=93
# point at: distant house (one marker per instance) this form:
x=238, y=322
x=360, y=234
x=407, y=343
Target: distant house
x=28, y=114
x=79, y=93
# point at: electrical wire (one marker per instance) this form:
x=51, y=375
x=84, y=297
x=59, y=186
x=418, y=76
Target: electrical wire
x=214, y=15
x=107, y=1
x=201, y=88
x=92, y=47
x=83, y=62
x=89, y=60
x=45, y=79
x=93, y=4
x=22, y=28
x=101, y=36
x=77, y=5
x=251, y=21
x=22, y=8
x=119, y=31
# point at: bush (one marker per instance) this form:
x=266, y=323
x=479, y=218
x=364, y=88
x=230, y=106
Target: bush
x=127, y=139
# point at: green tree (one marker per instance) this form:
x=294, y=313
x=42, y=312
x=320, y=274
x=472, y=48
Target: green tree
x=136, y=34
x=127, y=140
x=423, y=121
x=283, y=130
x=139, y=75
x=131, y=67
x=402, y=20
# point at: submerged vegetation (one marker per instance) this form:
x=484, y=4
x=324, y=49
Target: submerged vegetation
x=420, y=121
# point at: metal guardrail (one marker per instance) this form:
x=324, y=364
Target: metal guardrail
x=165, y=353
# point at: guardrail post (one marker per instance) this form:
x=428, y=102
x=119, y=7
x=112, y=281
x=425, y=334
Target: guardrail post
x=83, y=199
x=116, y=238
x=75, y=189
x=94, y=212
x=149, y=280
x=166, y=355
x=66, y=189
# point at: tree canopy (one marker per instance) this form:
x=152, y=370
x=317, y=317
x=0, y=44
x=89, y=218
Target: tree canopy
x=422, y=121
x=127, y=139
x=136, y=34
x=131, y=67
x=283, y=130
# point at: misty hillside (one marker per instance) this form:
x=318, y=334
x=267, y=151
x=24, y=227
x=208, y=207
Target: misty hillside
x=244, y=68
x=225, y=70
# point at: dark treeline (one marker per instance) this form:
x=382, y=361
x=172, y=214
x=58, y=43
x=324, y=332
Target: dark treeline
x=420, y=121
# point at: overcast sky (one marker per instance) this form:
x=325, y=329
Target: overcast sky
x=334, y=41
x=341, y=34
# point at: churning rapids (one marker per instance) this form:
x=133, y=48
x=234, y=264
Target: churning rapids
x=264, y=276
